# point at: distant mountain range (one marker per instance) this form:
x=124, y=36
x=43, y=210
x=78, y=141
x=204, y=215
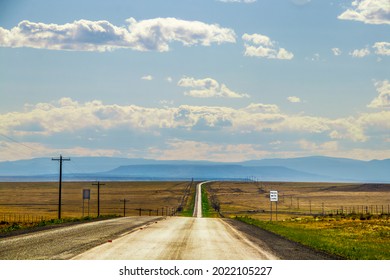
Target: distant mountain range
x=315, y=169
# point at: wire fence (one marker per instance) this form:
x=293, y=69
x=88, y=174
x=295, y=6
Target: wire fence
x=323, y=211
x=22, y=218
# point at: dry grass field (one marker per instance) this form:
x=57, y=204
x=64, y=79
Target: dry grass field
x=296, y=199
x=23, y=201
x=351, y=221
x=236, y=198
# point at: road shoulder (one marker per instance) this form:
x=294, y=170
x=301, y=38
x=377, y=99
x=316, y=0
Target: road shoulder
x=278, y=245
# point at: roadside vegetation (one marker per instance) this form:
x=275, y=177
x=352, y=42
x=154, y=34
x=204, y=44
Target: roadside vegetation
x=210, y=206
x=355, y=237
x=189, y=207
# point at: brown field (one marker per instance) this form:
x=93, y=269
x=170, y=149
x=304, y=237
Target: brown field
x=297, y=199
x=23, y=200
x=37, y=200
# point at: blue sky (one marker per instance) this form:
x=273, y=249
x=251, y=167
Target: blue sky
x=197, y=80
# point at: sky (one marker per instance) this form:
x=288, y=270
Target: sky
x=220, y=80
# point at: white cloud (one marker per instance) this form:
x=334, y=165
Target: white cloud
x=167, y=102
x=169, y=79
x=336, y=51
x=85, y=35
x=315, y=57
x=315, y=148
x=263, y=121
x=205, y=88
x=294, y=99
x=147, y=78
x=196, y=150
x=368, y=11
x=348, y=129
x=259, y=45
x=382, y=48
x=27, y=150
x=360, y=53
x=383, y=99
x=155, y=34
x=262, y=108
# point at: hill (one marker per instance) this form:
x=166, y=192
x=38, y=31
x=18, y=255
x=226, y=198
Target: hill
x=314, y=168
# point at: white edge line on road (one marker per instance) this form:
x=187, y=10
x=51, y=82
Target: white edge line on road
x=268, y=255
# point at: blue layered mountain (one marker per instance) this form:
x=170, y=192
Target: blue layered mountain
x=109, y=168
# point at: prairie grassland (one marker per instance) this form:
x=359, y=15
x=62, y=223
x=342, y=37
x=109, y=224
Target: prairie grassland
x=299, y=199
x=40, y=199
x=346, y=237
x=320, y=215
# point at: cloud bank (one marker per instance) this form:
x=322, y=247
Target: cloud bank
x=368, y=11
x=85, y=35
x=69, y=116
x=383, y=99
x=226, y=132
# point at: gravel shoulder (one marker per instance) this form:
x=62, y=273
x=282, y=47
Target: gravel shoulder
x=67, y=241
x=278, y=245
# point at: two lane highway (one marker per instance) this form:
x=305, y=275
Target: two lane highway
x=181, y=238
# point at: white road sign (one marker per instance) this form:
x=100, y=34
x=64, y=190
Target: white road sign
x=273, y=196
x=86, y=194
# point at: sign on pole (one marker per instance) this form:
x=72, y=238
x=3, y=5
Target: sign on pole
x=273, y=196
x=86, y=194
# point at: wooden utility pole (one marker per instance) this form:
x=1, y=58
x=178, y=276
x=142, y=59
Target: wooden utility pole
x=124, y=207
x=60, y=159
x=98, y=184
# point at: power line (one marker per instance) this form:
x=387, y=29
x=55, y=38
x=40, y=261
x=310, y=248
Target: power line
x=17, y=142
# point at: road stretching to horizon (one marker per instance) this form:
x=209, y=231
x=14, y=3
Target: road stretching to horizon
x=155, y=238
x=181, y=238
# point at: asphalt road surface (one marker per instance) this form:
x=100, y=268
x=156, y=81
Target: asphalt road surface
x=198, y=201
x=180, y=238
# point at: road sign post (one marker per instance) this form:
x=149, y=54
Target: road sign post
x=273, y=197
x=86, y=195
